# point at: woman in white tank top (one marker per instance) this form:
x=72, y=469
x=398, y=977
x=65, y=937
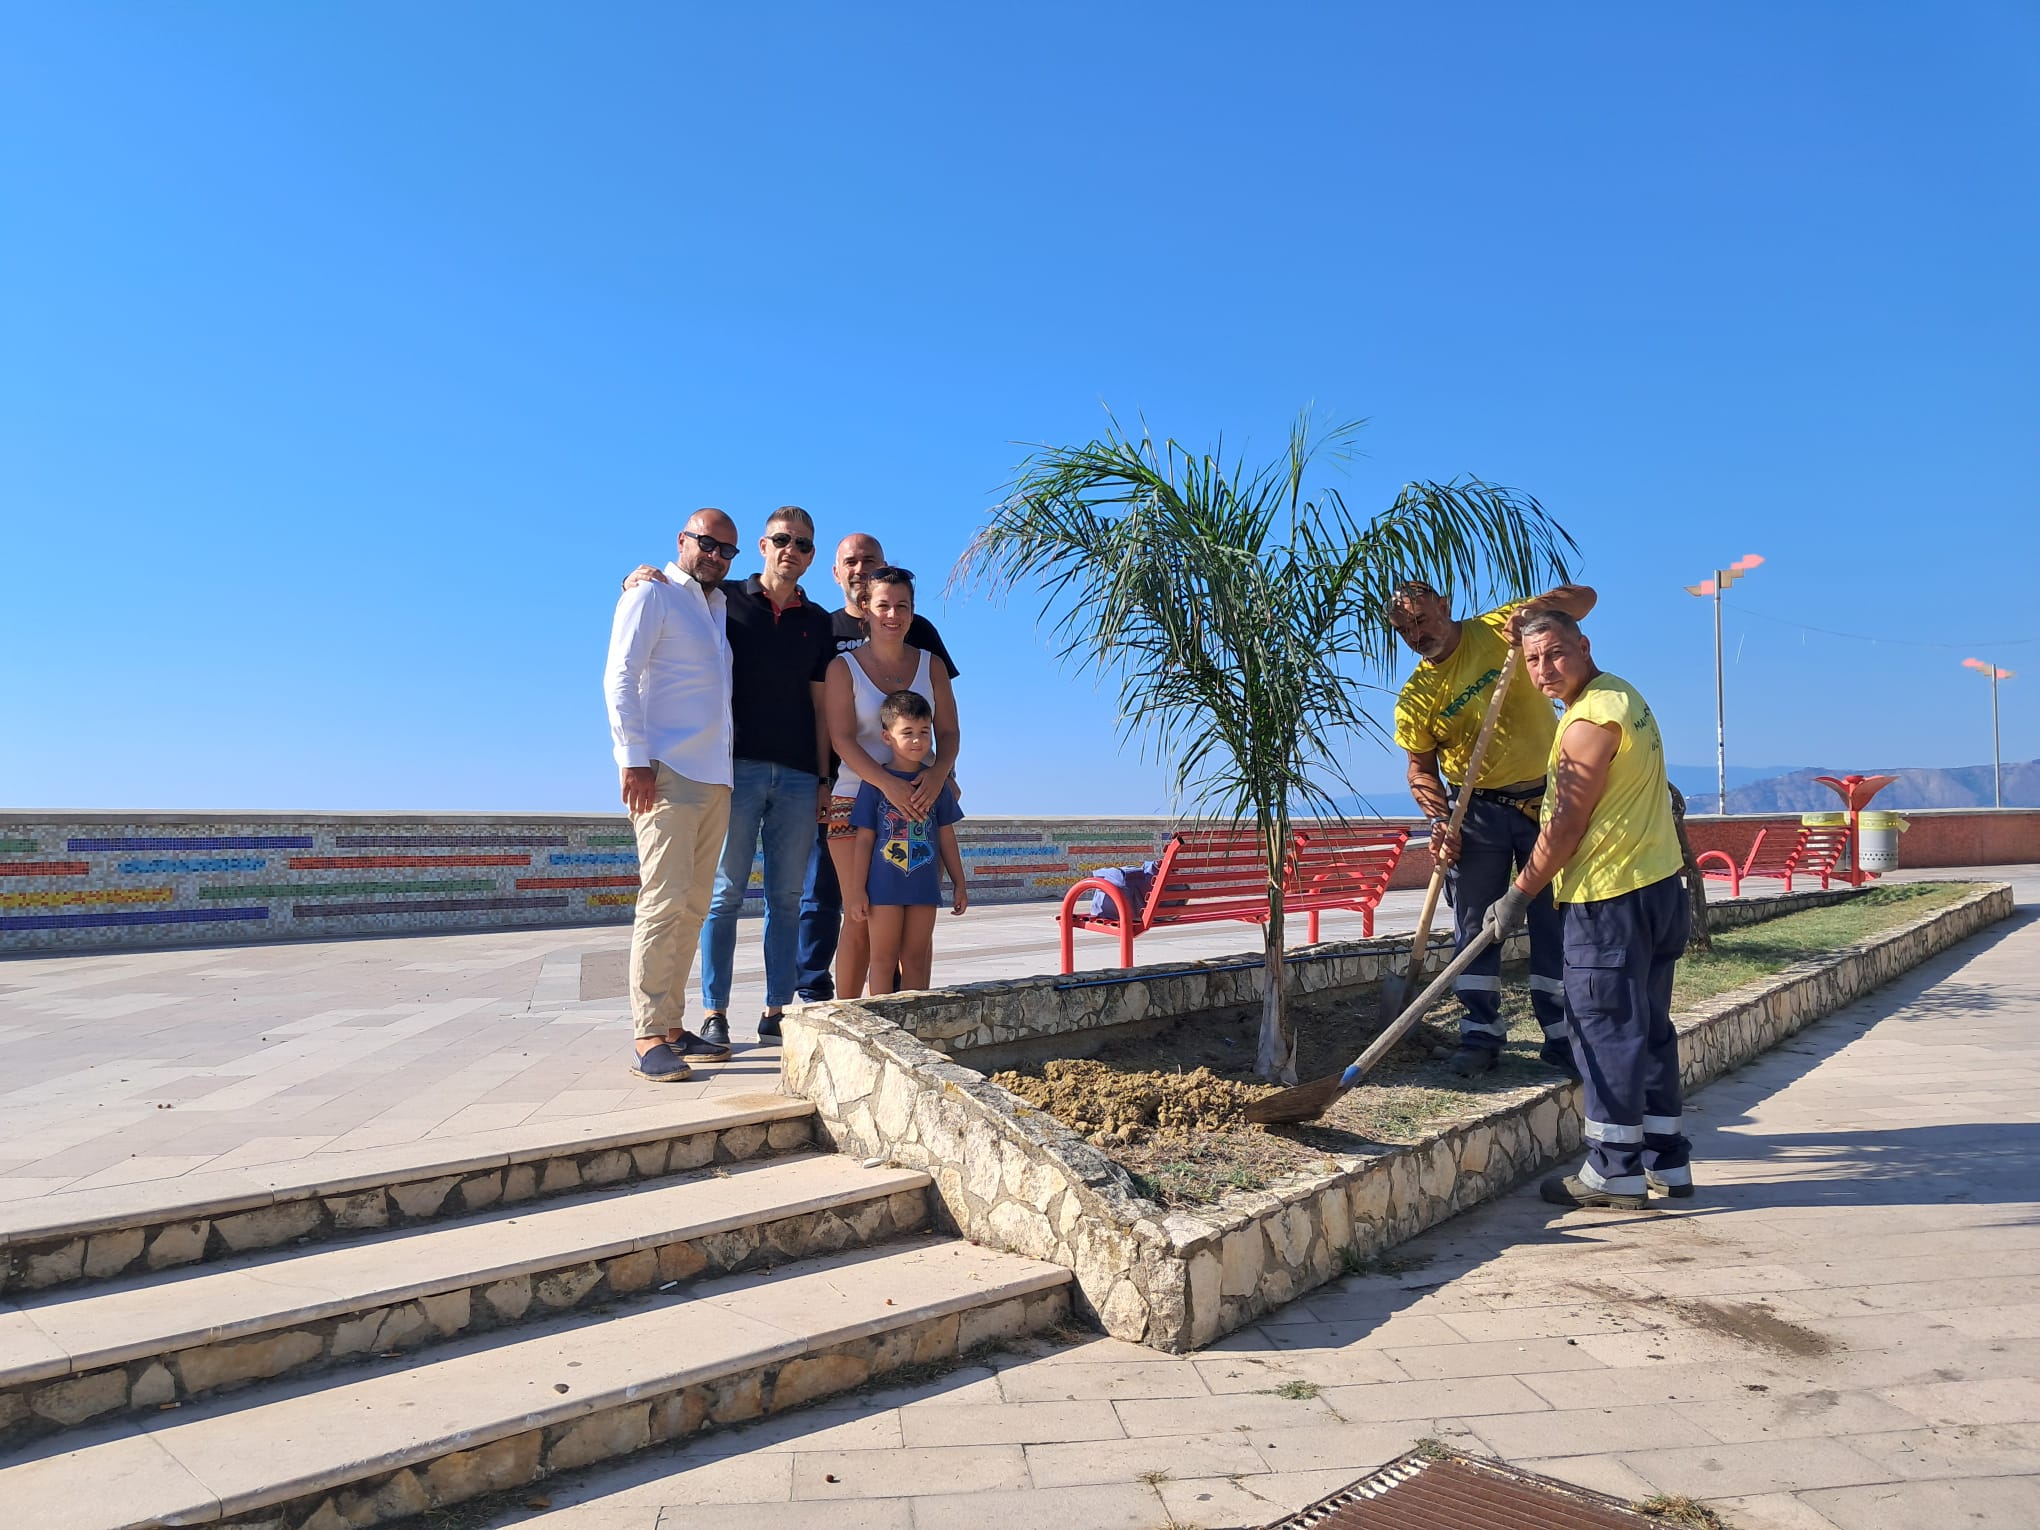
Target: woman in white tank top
x=858, y=683
x=869, y=698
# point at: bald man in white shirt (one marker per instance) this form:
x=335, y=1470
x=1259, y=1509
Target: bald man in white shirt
x=667, y=684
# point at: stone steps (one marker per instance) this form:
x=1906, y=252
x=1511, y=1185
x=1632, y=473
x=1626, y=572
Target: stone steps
x=137, y=1344
x=489, y=1412
x=72, y=1237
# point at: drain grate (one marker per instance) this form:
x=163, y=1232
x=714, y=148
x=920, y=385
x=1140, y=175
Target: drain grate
x=1428, y=1491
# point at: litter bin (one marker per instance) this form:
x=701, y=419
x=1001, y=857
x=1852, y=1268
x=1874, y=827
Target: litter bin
x=1877, y=840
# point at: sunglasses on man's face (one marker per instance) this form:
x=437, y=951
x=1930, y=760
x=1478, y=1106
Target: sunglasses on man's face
x=782, y=538
x=713, y=547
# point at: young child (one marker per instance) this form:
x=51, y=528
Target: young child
x=901, y=892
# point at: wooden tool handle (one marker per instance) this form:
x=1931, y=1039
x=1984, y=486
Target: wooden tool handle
x=1378, y=1048
x=1420, y=947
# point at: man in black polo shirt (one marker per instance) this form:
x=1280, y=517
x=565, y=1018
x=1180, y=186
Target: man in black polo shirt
x=858, y=556
x=780, y=648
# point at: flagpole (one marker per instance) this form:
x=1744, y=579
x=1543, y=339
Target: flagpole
x=1720, y=710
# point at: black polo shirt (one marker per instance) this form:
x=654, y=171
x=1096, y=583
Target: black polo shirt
x=774, y=657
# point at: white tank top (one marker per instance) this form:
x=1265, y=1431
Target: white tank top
x=869, y=698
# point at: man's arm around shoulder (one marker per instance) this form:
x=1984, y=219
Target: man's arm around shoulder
x=1574, y=600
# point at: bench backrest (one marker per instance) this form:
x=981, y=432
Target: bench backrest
x=1819, y=850
x=1218, y=871
x=1774, y=853
x=1215, y=871
x=1346, y=861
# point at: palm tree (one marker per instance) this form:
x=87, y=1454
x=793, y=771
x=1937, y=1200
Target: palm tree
x=1239, y=612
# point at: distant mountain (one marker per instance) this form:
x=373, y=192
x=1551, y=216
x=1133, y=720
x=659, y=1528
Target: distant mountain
x=1698, y=781
x=1798, y=792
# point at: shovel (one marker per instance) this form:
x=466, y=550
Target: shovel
x=1396, y=991
x=1306, y=1102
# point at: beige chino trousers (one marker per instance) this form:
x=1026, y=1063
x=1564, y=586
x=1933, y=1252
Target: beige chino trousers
x=679, y=840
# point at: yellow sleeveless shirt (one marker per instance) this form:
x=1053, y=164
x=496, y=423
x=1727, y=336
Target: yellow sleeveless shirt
x=1631, y=840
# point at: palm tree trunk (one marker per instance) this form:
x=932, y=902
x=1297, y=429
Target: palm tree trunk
x=1276, y=1058
x=1701, y=937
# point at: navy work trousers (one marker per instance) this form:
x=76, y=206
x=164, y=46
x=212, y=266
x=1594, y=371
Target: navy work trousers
x=821, y=924
x=1619, y=956
x=1494, y=841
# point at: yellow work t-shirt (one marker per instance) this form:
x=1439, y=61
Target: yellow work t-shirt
x=1631, y=840
x=1442, y=705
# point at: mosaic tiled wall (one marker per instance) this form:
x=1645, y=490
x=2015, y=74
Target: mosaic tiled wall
x=81, y=882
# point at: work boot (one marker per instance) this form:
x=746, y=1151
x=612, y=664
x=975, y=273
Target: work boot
x=714, y=1041
x=1559, y=1054
x=1570, y=1191
x=1469, y=1062
x=1675, y=1192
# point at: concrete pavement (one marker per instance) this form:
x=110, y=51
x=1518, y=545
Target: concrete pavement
x=131, y=1068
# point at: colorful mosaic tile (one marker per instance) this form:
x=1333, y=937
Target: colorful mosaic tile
x=88, y=895
x=356, y=874
x=424, y=906
x=343, y=889
x=397, y=862
x=211, y=842
x=148, y=916
x=445, y=841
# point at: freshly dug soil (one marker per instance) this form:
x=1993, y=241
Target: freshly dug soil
x=1171, y=1107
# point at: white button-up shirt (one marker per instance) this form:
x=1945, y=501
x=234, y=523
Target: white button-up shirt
x=668, y=678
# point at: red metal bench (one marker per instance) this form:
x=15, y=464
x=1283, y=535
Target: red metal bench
x=1210, y=875
x=1778, y=852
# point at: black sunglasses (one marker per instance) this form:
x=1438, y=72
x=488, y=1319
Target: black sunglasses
x=723, y=550
x=781, y=538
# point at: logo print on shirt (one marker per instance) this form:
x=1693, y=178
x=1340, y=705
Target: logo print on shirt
x=906, y=847
x=1453, y=706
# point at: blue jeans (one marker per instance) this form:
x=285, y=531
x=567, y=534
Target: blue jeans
x=775, y=805
x=821, y=923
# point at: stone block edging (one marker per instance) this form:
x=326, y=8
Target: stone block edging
x=150, y=1238
x=1013, y=1177
x=577, y=1435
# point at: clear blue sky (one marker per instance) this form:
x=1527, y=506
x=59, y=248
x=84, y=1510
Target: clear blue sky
x=353, y=352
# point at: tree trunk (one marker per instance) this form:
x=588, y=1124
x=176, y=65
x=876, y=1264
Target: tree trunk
x=1276, y=1058
x=1701, y=938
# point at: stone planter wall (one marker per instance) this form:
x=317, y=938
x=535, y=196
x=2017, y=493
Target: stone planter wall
x=1009, y=1176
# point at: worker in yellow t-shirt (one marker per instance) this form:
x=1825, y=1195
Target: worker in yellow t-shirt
x=1609, y=853
x=1437, y=717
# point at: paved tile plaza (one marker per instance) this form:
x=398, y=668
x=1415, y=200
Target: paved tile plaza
x=1842, y=1330
x=130, y=1067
